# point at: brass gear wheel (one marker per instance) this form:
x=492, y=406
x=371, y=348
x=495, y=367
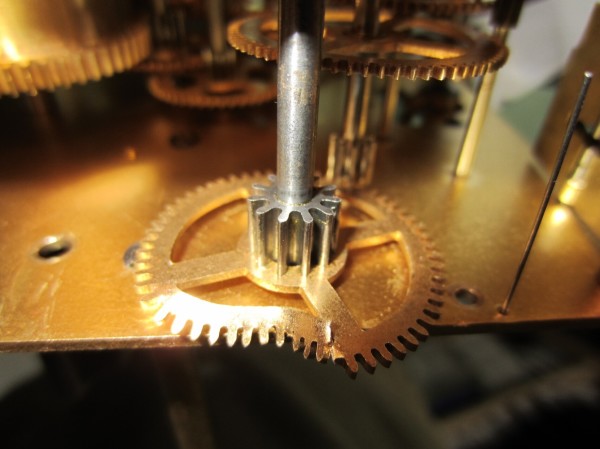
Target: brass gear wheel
x=435, y=8
x=65, y=66
x=172, y=60
x=375, y=300
x=410, y=48
x=202, y=91
x=442, y=8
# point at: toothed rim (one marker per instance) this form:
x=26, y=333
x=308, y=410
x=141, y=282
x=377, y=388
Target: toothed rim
x=163, y=88
x=76, y=66
x=401, y=332
x=485, y=54
x=181, y=62
x=435, y=8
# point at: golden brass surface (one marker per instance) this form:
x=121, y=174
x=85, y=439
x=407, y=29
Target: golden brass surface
x=44, y=45
x=92, y=186
x=398, y=51
x=375, y=299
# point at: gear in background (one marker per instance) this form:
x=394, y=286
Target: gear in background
x=173, y=60
x=201, y=90
x=67, y=66
x=411, y=48
x=434, y=8
x=375, y=300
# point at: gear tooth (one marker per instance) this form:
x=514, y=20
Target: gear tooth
x=350, y=364
x=435, y=302
x=142, y=278
x=143, y=290
x=395, y=350
x=214, y=332
x=246, y=336
x=409, y=341
x=279, y=337
x=263, y=335
x=296, y=343
x=431, y=314
x=418, y=331
x=383, y=356
x=437, y=291
x=309, y=349
x=196, y=330
x=232, y=335
x=321, y=352
x=368, y=362
x=178, y=324
x=162, y=313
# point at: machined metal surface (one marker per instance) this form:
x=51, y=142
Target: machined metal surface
x=301, y=28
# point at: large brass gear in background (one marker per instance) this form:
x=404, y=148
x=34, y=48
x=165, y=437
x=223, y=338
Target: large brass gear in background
x=45, y=45
x=68, y=66
x=410, y=48
x=201, y=90
x=434, y=8
x=375, y=300
x=173, y=60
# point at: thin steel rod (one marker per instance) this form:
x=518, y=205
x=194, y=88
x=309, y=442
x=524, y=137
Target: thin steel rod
x=358, y=95
x=299, y=64
x=587, y=78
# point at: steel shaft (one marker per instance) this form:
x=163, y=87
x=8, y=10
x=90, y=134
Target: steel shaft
x=299, y=64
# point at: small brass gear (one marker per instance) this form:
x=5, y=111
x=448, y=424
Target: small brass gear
x=375, y=300
x=409, y=48
x=65, y=66
x=172, y=60
x=202, y=91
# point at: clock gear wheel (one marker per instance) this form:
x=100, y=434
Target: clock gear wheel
x=167, y=60
x=376, y=298
x=62, y=65
x=409, y=48
x=201, y=90
x=434, y=8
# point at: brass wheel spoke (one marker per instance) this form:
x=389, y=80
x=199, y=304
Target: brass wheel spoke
x=371, y=233
x=207, y=270
x=324, y=301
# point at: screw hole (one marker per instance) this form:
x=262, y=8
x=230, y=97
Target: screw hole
x=54, y=247
x=468, y=296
